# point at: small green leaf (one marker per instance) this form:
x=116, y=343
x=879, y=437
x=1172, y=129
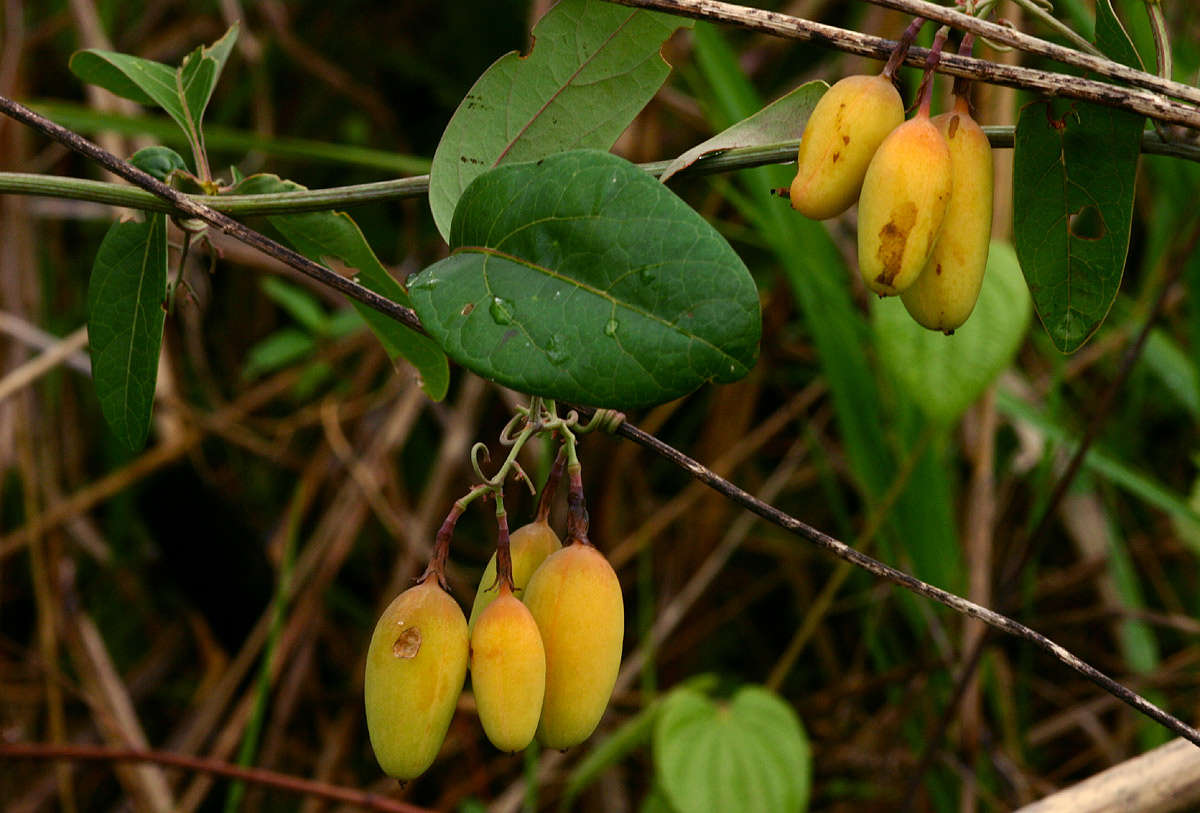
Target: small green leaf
x=945, y=374
x=781, y=120
x=332, y=238
x=1074, y=168
x=125, y=323
x=748, y=754
x=158, y=161
x=299, y=303
x=1112, y=38
x=281, y=348
x=182, y=92
x=593, y=67
x=580, y=277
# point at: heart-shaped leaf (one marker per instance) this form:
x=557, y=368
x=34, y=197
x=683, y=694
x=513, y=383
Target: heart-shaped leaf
x=583, y=278
x=183, y=92
x=325, y=237
x=749, y=754
x=781, y=120
x=125, y=323
x=945, y=374
x=593, y=67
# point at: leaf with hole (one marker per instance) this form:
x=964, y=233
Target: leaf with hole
x=592, y=68
x=182, y=92
x=750, y=753
x=125, y=323
x=334, y=240
x=1074, y=168
x=583, y=278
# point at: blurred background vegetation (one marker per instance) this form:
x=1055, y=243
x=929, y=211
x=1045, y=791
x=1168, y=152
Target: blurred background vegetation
x=214, y=593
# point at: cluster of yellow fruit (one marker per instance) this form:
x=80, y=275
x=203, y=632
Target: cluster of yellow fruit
x=545, y=665
x=924, y=192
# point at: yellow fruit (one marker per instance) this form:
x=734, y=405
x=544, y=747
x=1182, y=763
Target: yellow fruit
x=530, y=545
x=575, y=598
x=945, y=293
x=845, y=128
x=416, y=665
x=902, y=205
x=508, y=672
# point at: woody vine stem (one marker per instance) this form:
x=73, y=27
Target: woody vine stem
x=1158, y=105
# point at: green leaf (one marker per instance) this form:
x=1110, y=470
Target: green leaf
x=182, y=92
x=749, y=754
x=125, y=323
x=158, y=161
x=945, y=374
x=1074, y=169
x=299, y=303
x=333, y=239
x=781, y=120
x=593, y=67
x=281, y=348
x=583, y=278
x=1113, y=39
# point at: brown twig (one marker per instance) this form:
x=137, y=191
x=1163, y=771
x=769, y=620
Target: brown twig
x=1148, y=103
x=222, y=222
x=961, y=605
x=257, y=776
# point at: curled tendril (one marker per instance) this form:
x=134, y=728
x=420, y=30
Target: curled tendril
x=476, y=450
x=523, y=476
x=507, y=438
x=607, y=419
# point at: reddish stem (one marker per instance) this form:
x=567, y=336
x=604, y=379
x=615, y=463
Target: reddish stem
x=504, y=575
x=551, y=487
x=962, y=85
x=901, y=50
x=257, y=776
x=577, y=515
x=925, y=94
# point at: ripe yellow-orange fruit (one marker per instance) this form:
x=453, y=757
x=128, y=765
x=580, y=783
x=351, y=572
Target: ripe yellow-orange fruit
x=575, y=597
x=416, y=665
x=946, y=291
x=508, y=672
x=902, y=205
x=845, y=128
x=529, y=546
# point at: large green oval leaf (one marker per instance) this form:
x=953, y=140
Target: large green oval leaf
x=751, y=754
x=581, y=277
x=593, y=67
x=945, y=374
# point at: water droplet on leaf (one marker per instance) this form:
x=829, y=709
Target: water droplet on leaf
x=501, y=311
x=556, y=350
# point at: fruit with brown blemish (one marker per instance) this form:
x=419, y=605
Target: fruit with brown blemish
x=575, y=597
x=946, y=291
x=903, y=203
x=416, y=665
x=529, y=545
x=508, y=671
x=844, y=130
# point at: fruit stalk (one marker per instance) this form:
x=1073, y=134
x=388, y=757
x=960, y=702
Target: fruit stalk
x=901, y=50
x=504, y=570
x=577, y=515
x=551, y=487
